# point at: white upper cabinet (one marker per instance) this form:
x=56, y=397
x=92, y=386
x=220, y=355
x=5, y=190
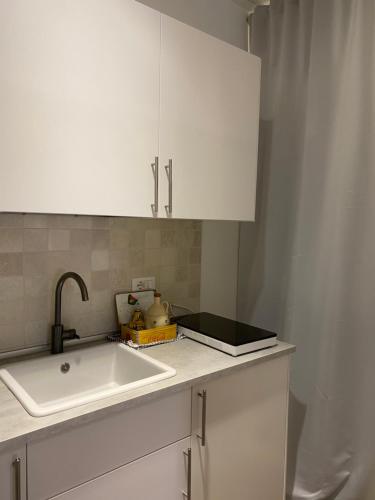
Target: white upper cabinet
x=209, y=118
x=79, y=101
x=91, y=91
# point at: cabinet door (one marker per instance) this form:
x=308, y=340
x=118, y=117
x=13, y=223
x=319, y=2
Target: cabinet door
x=246, y=428
x=160, y=476
x=209, y=122
x=79, y=100
x=13, y=474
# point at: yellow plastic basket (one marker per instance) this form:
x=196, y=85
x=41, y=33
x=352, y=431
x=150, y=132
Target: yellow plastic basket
x=142, y=337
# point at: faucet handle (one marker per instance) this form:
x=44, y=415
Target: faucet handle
x=70, y=334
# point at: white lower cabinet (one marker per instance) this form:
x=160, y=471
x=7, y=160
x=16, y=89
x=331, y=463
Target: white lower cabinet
x=13, y=473
x=159, y=476
x=223, y=440
x=245, y=429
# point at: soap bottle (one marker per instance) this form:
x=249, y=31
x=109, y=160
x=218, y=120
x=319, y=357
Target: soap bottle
x=157, y=313
x=137, y=322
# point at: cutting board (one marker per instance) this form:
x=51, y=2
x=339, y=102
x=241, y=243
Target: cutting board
x=125, y=310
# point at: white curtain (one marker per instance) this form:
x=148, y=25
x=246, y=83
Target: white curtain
x=307, y=266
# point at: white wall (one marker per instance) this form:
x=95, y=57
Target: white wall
x=225, y=20
x=219, y=268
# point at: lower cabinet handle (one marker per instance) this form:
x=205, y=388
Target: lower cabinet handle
x=155, y=171
x=187, y=493
x=202, y=436
x=168, y=170
x=17, y=478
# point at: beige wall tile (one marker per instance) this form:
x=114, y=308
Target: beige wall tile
x=153, y=238
x=119, y=259
x=168, y=238
x=11, y=264
x=120, y=280
x=100, y=280
x=152, y=257
x=192, y=303
x=102, y=322
x=81, y=323
x=11, y=220
x=73, y=305
x=37, y=333
x=182, y=274
x=80, y=239
x=100, y=260
x=35, y=240
x=175, y=293
x=120, y=222
x=152, y=270
x=119, y=239
x=59, y=239
x=69, y=222
x=182, y=256
x=59, y=262
x=36, y=286
x=194, y=290
x=197, y=238
x=102, y=300
x=168, y=256
x=35, y=264
x=101, y=222
x=11, y=311
x=11, y=240
x=137, y=238
x=185, y=237
x=35, y=220
x=11, y=288
x=195, y=272
x=100, y=239
x=35, y=250
x=167, y=275
x=195, y=255
x=136, y=257
x=37, y=308
x=11, y=337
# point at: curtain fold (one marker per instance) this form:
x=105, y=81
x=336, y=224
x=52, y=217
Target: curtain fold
x=307, y=266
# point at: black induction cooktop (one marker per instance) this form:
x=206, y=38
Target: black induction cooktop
x=226, y=331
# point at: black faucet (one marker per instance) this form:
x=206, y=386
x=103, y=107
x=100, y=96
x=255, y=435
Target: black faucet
x=58, y=332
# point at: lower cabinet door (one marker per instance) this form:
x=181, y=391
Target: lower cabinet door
x=241, y=421
x=162, y=475
x=13, y=474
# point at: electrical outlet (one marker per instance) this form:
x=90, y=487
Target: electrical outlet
x=143, y=283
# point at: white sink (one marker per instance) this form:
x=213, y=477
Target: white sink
x=53, y=383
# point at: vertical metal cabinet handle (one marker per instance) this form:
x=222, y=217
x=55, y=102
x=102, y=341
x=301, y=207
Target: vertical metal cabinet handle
x=202, y=436
x=187, y=493
x=155, y=171
x=168, y=170
x=17, y=478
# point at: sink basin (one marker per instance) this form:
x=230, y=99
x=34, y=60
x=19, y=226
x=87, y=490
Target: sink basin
x=50, y=384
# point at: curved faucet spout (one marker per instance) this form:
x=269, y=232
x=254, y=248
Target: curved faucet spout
x=82, y=286
x=58, y=333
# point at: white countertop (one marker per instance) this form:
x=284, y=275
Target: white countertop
x=193, y=362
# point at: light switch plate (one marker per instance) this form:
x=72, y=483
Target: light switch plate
x=148, y=283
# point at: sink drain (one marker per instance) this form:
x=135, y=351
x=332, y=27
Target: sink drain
x=65, y=367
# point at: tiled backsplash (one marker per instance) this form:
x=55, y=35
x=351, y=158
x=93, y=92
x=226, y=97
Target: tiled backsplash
x=108, y=252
